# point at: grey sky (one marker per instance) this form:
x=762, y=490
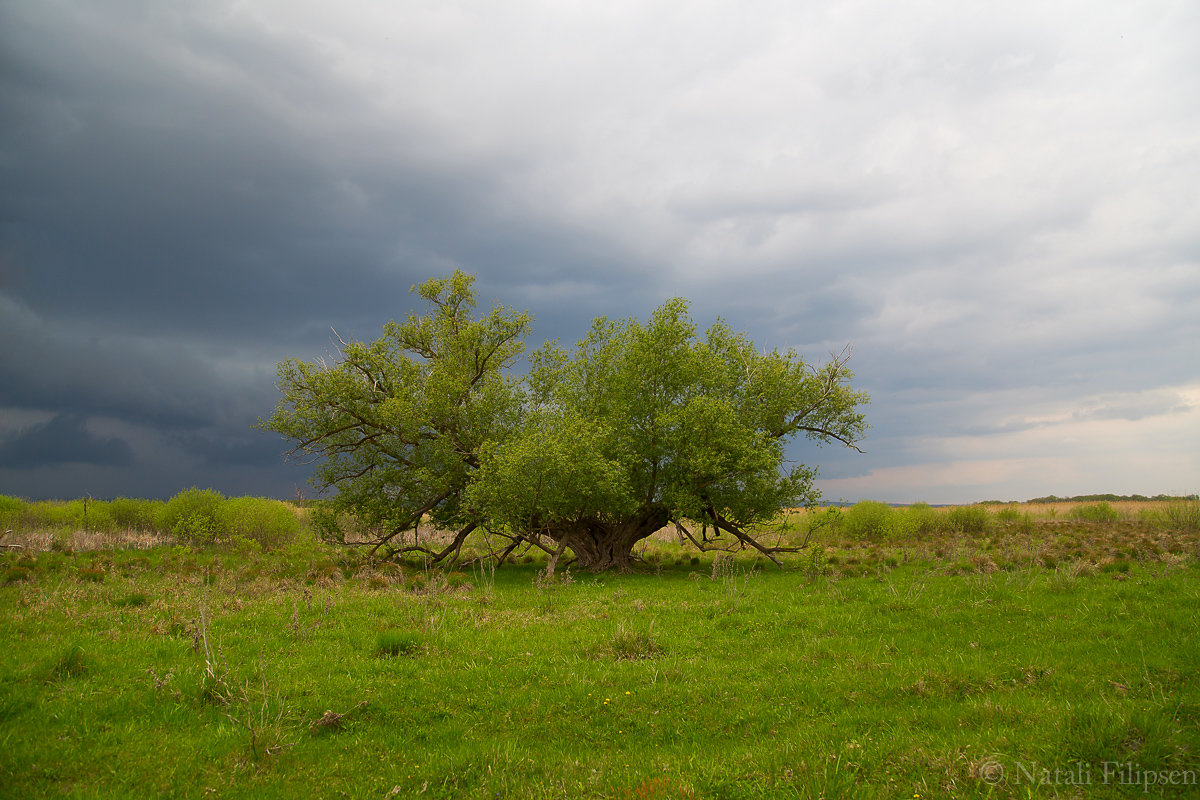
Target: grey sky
x=995, y=202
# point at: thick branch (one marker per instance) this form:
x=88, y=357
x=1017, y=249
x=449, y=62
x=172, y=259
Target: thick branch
x=699, y=545
x=769, y=552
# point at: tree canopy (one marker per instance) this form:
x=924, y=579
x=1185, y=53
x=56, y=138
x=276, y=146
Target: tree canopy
x=638, y=427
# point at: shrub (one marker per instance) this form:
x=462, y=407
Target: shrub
x=192, y=515
x=922, y=518
x=1009, y=513
x=1095, y=512
x=12, y=512
x=969, y=519
x=131, y=514
x=270, y=523
x=92, y=515
x=52, y=514
x=867, y=519
x=327, y=523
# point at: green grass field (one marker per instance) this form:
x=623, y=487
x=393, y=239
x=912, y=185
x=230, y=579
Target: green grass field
x=1054, y=656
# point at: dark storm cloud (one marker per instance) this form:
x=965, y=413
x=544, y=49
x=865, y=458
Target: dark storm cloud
x=58, y=369
x=259, y=449
x=65, y=439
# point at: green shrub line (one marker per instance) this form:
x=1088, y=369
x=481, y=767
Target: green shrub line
x=193, y=516
x=206, y=518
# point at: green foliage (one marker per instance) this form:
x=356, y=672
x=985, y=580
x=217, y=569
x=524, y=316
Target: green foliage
x=82, y=514
x=921, y=519
x=643, y=424
x=269, y=523
x=57, y=514
x=135, y=514
x=1010, y=513
x=192, y=515
x=868, y=519
x=554, y=471
x=327, y=523
x=1111, y=498
x=397, y=425
x=969, y=519
x=12, y=512
x=1094, y=512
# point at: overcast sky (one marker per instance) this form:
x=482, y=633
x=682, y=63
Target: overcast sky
x=996, y=203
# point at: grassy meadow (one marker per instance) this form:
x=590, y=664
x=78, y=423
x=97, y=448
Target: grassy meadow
x=217, y=648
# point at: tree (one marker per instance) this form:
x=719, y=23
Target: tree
x=643, y=427
x=396, y=426
x=639, y=427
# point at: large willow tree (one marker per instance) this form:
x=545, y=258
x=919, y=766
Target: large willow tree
x=637, y=428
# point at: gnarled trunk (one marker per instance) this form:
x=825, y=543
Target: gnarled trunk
x=601, y=546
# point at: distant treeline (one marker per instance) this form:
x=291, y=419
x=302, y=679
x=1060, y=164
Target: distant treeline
x=1111, y=498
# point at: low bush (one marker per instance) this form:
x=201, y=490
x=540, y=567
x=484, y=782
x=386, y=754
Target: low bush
x=867, y=519
x=12, y=512
x=1095, y=512
x=131, y=514
x=192, y=515
x=270, y=523
x=1010, y=513
x=922, y=518
x=969, y=519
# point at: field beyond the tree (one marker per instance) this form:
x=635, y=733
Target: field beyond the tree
x=226, y=649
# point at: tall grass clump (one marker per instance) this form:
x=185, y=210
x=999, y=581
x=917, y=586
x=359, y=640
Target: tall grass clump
x=1094, y=512
x=1183, y=513
x=392, y=643
x=192, y=515
x=70, y=663
x=867, y=519
x=969, y=519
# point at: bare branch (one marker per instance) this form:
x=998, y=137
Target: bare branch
x=746, y=538
x=699, y=545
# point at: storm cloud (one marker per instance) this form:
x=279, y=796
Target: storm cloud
x=993, y=203
x=63, y=440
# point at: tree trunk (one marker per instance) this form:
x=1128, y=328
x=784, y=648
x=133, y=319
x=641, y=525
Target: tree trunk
x=601, y=546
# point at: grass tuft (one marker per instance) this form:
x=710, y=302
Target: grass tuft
x=71, y=663
x=629, y=645
x=392, y=643
x=132, y=600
